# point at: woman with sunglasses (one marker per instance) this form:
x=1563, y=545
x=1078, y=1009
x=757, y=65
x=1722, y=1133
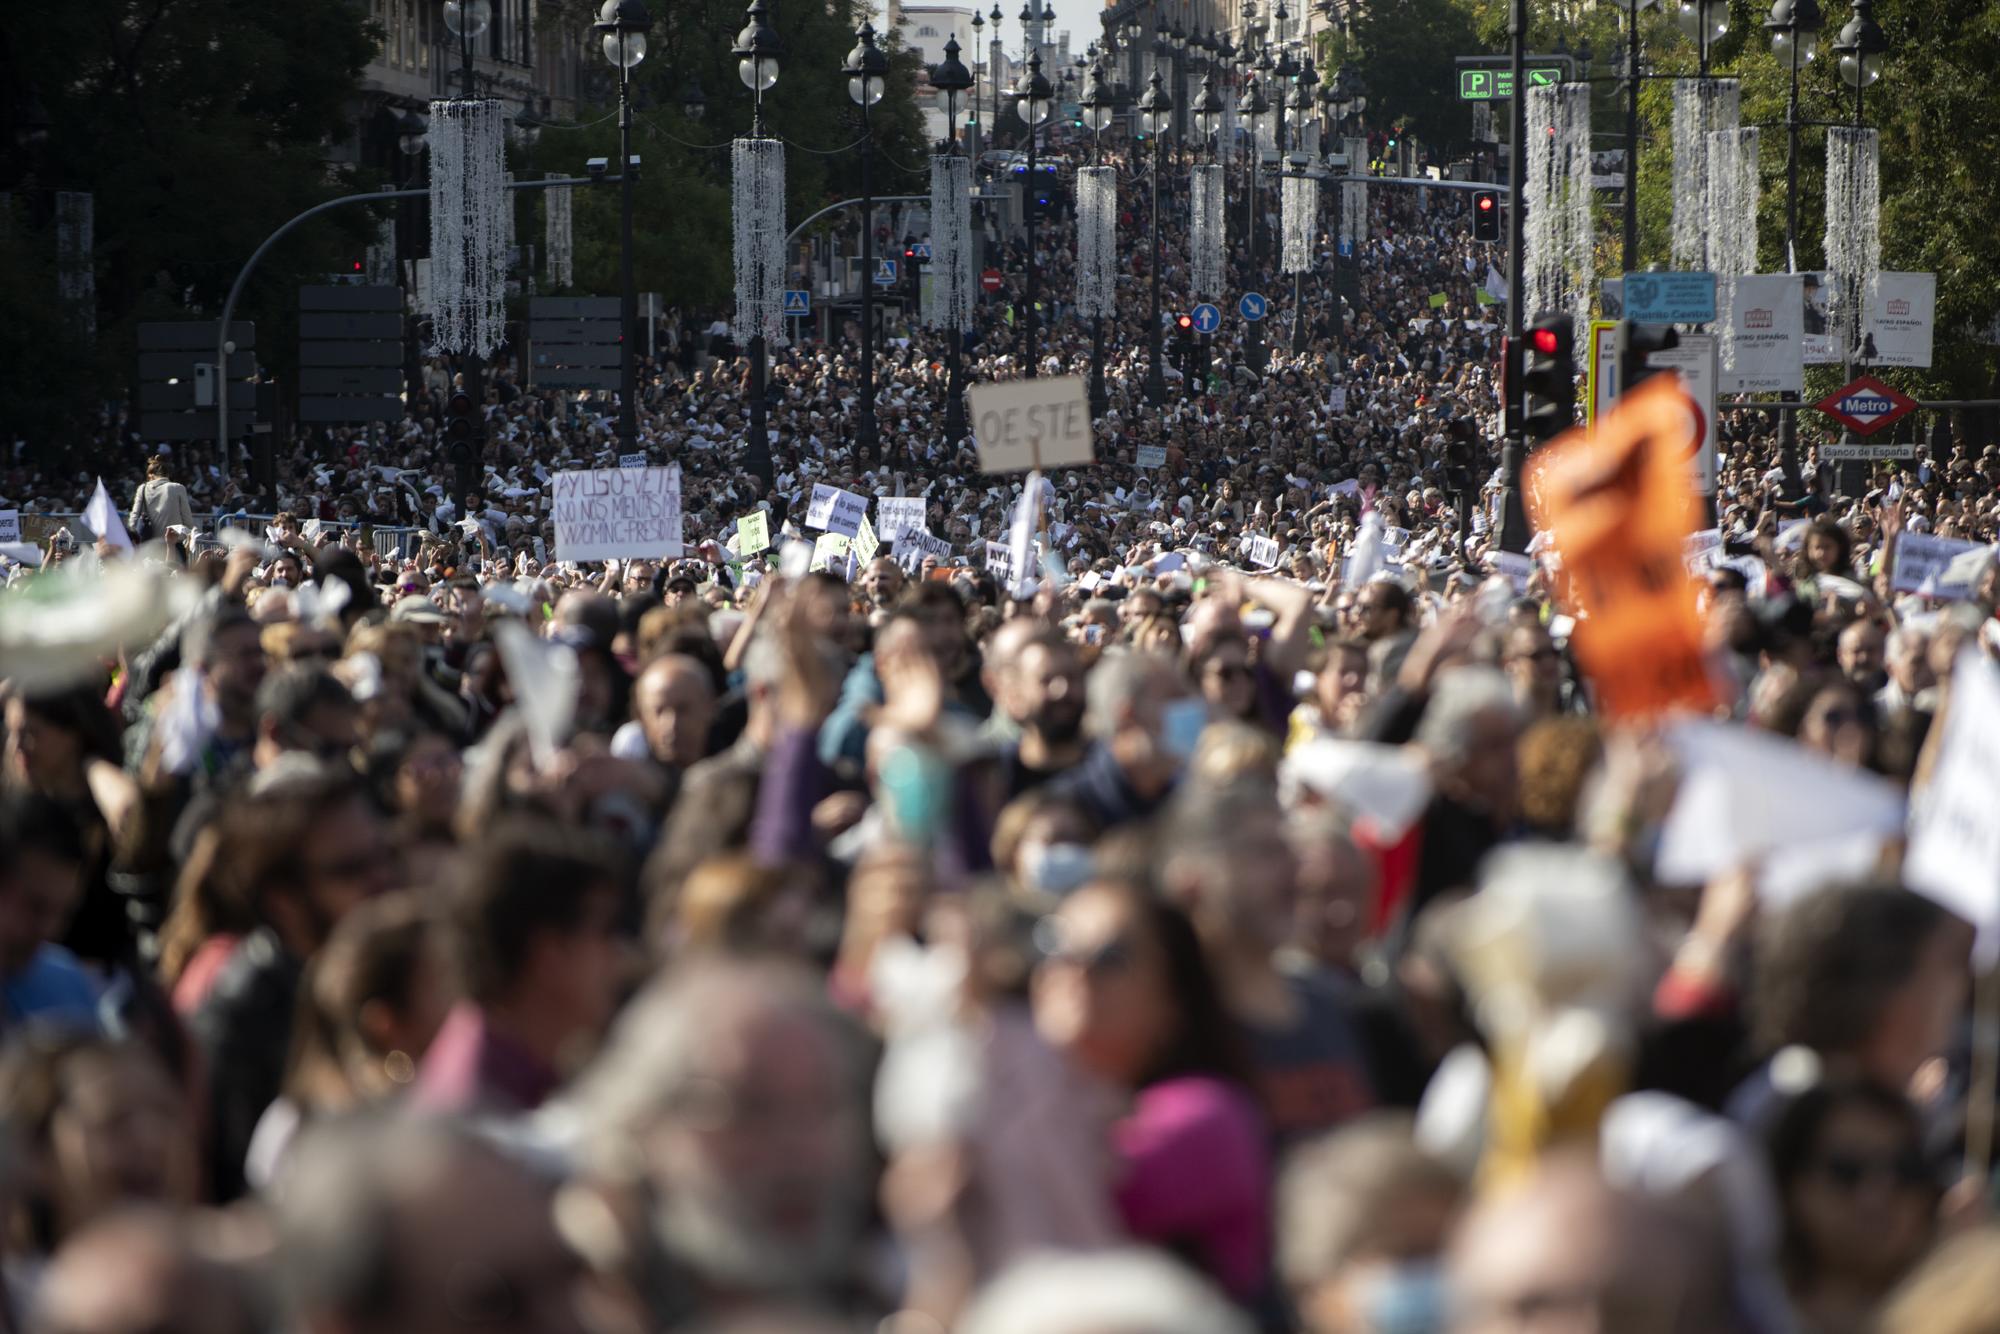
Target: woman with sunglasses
x=1860, y=1200
x=1124, y=990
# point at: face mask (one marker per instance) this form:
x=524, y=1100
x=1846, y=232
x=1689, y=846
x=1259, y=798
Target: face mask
x=1057, y=868
x=1181, y=724
x=1405, y=1299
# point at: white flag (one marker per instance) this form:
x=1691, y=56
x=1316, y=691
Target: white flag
x=101, y=517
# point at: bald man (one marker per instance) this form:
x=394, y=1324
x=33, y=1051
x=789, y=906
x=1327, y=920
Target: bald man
x=674, y=703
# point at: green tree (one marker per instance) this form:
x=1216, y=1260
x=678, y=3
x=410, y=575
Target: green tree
x=200, y=126
x=1406, y=54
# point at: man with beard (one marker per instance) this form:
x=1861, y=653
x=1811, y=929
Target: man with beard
x=728, y=1113
x=1042, y=687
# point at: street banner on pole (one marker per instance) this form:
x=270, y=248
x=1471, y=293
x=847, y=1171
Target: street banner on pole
x=1764, y=346
x=1900, y=310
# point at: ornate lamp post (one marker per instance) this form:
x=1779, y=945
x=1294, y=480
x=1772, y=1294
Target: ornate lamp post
x=757, y=50
x=1099, y=102
x=622, y=25
x=1034, y=99
x=1795, y=26
x=1156, y=114
x=867, y=72
x=952, y=79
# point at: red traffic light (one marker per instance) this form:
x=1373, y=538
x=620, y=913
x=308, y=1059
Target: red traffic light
x=1484, y=202
x=1186, y=321
x=1546, y=342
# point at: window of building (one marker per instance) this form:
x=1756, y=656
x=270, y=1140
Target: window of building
x=927, y=31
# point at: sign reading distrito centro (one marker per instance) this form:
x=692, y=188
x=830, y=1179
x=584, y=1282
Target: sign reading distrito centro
x=1023, y=424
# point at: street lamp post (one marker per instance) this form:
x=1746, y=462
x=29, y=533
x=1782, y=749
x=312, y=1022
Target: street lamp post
x=412, y=132
x=1098, y=104
x=1156, y=115
x=1034, y=98
x=952, y=79
x=1795, y=26
x=1253, y=104
x=867, y=72
x=1861, y=47
x=757, y=63
x=1704, y=22
x=1207, y=123
x=622, y=24
x=1301, y=111
x=467, y=20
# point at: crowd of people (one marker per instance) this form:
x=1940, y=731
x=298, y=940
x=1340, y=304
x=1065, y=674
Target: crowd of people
x=1156, y=940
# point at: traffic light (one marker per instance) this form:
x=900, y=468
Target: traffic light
x=1548, y=378
x=1636, y=344
x=1485, y=215
x=1460, y=455
x=461, y=430
x=1184, y=346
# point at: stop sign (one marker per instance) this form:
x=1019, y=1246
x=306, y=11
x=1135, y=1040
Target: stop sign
x=989, y=281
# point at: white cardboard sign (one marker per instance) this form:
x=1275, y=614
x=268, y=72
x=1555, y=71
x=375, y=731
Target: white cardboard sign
x=1024, y=424
x=617, y=513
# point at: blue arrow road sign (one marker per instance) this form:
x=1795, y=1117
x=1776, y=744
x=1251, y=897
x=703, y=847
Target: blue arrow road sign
x=1252, y=306
x=1207, y=319
x=921, y=249
x=798, y=301
x=885, y=273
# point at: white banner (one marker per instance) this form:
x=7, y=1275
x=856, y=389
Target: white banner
x=1822, y=340
x=920, y=544
x=1938, y=567
x=1263, y=551
x=617, y=513
x=10, y=526
x=1023, y=424
x=835, y=510
x=1764, y=349
x=1151, y=456
x=1000, y=564
x=897, y=515
x=1898, y=315
x=632, y=460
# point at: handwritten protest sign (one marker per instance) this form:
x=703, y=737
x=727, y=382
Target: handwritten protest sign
x=1702, y=551
x=897, y=515
x=911, y=549
x=865, y=542
x=829, y=552
x=1618, y=504
x=10, y=525
x=1938, y=567
x=835, y=510
x=632, y=460
x=753, y=533
x=1000, y=563
x=1152, y=456
x=1263, y=551
x=1023, y=424
x=617, y=513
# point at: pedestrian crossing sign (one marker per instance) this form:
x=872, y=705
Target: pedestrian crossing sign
x=798, y=301
x=885, y=273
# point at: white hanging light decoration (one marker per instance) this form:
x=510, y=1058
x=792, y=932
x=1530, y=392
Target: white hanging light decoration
x=1354, y=193
x=1853, y=220
x=1225, y=138
x=557, y=233
x=1096, y=241
x=1732, y=220
x=76, y=248
x=758, y=214
x=1560, y=255
x=1701, y=107
x=470, y=222
x=948, y=299
x=1206, y=232
x=1299, y=200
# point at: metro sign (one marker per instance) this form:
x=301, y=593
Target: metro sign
x=1867, y=405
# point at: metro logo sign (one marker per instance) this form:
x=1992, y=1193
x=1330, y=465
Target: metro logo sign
x=1866, y=405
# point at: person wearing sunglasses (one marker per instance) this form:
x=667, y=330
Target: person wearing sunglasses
x=1859, y=1195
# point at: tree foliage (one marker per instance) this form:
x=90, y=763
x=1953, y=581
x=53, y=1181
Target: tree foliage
x=200, y=126
x=1406, y=52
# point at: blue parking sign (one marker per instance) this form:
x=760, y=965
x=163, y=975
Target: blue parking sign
x=1252, y=306
x=1207, y=319
x=798, y=301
